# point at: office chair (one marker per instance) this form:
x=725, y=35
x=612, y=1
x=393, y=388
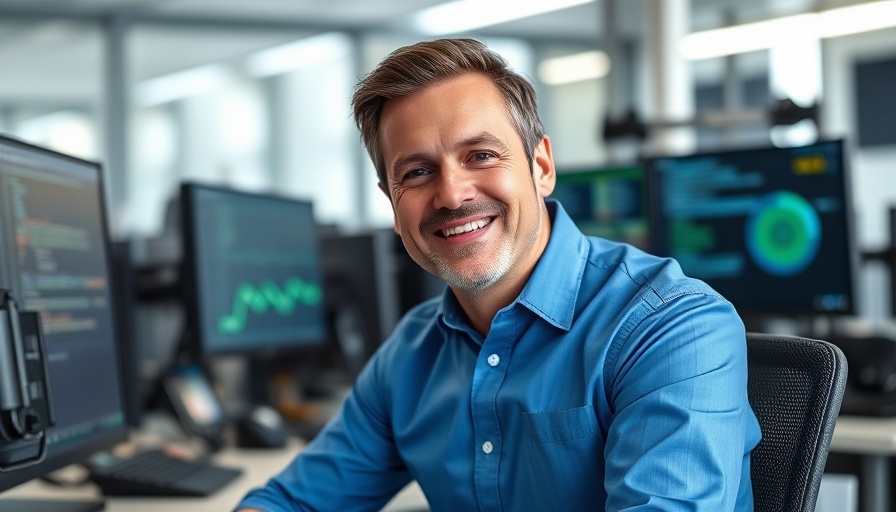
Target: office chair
x=795, y=388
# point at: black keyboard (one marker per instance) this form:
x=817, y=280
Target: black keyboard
x=153, y=473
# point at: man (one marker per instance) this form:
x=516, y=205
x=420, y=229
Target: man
x=558, y=372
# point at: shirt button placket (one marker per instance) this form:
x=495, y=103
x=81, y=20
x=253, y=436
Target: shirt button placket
x=488, y=379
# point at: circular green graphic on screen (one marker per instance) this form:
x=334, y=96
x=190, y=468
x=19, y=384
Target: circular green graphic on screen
x=783, y=233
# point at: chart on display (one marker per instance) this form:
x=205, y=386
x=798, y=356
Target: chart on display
x=768, y=228
x=253, y=261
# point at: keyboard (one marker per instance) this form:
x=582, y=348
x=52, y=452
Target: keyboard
x=153, y=473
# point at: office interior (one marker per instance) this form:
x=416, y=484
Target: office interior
x=251, y=100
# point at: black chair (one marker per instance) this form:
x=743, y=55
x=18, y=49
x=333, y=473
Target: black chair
x=795, y=388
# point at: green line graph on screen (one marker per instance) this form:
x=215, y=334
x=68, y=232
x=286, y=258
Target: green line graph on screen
x=268, y=295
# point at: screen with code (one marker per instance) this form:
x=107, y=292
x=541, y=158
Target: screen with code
x=54, y=258
x=768, y=228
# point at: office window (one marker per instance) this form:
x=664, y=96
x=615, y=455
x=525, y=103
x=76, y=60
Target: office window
x=51, y=89
x=255, y=110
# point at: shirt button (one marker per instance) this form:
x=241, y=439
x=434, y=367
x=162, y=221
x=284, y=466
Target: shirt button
x=487, y=447
x=493, y=360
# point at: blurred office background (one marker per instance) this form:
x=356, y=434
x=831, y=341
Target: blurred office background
x=254, y=95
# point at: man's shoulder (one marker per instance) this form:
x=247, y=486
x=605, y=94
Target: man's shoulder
x=659, y=279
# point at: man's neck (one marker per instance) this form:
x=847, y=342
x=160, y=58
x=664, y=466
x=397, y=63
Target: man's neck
x=482, y=307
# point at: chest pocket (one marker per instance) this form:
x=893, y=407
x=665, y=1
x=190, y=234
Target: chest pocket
x=561, y=425
x=562, y=462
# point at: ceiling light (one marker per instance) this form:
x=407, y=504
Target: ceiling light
x=857, y=18
x=298, y=54
x=767, y=34
x=574, y=68
x=465, y=15
x=748, y=37
x=183, y=84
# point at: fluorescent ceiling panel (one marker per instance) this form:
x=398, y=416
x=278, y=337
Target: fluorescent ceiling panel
x=574, y=68
x=183, y=84
x=762, y=35
x=466, y=15
x=298, y=54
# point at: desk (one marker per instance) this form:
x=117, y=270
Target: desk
x=258, y=466
x=874, y=439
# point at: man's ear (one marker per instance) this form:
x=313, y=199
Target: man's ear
x=543, y=173
x=395, y=225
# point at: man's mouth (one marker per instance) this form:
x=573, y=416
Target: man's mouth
x=466, y=228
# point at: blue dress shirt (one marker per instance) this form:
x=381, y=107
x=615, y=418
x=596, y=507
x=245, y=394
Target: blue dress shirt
x=613, y=382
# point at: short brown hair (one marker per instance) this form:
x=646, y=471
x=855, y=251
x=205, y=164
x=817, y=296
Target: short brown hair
x=411, y=68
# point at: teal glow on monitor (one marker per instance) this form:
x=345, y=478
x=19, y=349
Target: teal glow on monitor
x=609, y=202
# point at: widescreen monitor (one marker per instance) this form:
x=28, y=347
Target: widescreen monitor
x=252, y=272
x=54, y=258
x=769, y=228
x=608, y=201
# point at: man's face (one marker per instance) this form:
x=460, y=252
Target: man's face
x=467, y=204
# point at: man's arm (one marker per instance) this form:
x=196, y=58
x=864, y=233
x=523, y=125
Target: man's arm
x=683, y=423
x=352, y=464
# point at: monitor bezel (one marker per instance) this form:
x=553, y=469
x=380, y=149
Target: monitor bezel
x=195, y=345
x=851, y=246
x=115, y=435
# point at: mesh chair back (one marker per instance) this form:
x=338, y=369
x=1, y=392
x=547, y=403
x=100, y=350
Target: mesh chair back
x=795, y=388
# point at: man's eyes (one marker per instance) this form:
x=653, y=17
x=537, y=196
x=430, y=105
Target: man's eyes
x=416, y=173
x=421, y=172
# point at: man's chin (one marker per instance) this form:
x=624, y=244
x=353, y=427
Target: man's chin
x=471, y=282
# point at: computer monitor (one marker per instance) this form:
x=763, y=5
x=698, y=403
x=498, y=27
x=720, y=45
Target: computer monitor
x=608, y=201
x=769, y=228
x=252, y=273
x=370, y=282
x=54, y=258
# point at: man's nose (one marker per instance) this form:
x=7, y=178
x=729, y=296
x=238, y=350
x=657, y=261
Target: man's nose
x=456, y=186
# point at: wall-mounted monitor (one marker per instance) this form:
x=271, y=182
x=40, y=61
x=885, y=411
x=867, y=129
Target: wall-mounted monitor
x=769, y=228
x=609, y=202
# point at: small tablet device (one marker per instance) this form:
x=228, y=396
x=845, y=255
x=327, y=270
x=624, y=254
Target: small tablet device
x=195, y=403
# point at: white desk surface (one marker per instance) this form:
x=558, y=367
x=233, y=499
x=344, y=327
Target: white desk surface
x=258, y=466
x=852, y=434
x=864, y=435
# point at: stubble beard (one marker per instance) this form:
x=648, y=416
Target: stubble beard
x=477, y=281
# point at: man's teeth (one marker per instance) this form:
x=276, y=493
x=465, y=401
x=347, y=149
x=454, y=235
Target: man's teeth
x=470, y=226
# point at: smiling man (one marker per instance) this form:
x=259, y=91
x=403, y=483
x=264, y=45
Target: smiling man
x=558, y=371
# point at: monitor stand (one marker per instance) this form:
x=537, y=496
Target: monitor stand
x=28, y=505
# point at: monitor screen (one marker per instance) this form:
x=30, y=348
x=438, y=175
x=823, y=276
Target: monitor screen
x=768, y=228
x=252, y=272
x=54, y=258
x=609, y=202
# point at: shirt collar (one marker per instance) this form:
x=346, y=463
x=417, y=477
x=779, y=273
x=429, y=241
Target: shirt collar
x=553, y=287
